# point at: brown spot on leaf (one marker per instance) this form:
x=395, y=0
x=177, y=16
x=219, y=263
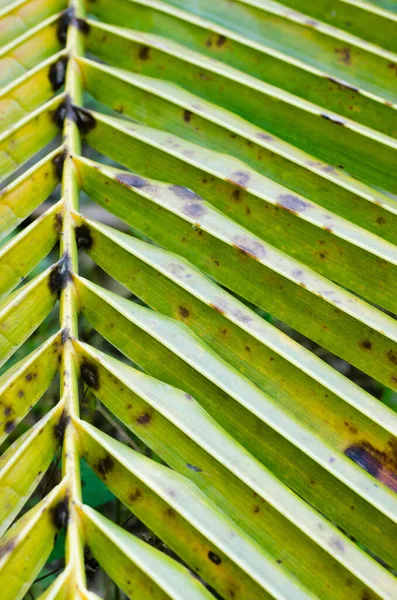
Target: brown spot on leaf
x=134, y=495
x=60, y=427
x=187, y=115
x=144, y=53
x=9, y=426
x=366, y=344
x=89, y=374
x=184, y=312
x=144, y=419
x=83, y=237
x=60, y=514
x=392, y=356
x=214, y=558
x=236, y=195
x=105, y=466
x=344, y=55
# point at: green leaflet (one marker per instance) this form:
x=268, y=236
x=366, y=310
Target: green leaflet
x=18, y=99
x=24, y=464
x=207, y=540
x=20, y=15
x=29, y=49
x=223, y=44
x=24, y=251
x=23, y=311
x=255, y=271
x=374, y=25
x=23, y=385
x=213, y=175
x=109, y=187
x=341, y=142
x=249, y=416
x=28, y=191
x=135, y=566
x=261, y=140
x=227, y=474
x=341, y=54
x=28, y=136
x=27, y=545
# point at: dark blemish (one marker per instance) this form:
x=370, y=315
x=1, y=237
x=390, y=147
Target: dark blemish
x=374, y=462
x=105, y=466
x=333, y=119
x=83, y=119
x=311, y=22
x=256, y=509
x=381, y=220
x=144, y=52
x=292, y=203
x=60, y=427
x=184, y=312
x=135, y=495
x=60, y=514
x=350, y=427
x=144, y=419
x=30, y=376
x=89, y=374
x=63, y=24
x=188, y=397
x=220, y=41
x=60, y=275
x=342, y=84
x=248, y=349
x=7, y=547
x=21, y=393
x=59, y=114
x=57, y=72
x=58, y=221
x=83, y=237
x=344, y=55
x=7, y=411
x=183, y=192
x=249, y=246
x=321, y=255
x=240, y=178
x=194, y=210
x=131, y=180
x=236, y=195
x=58, y=162
x=279, y=561
x=214, y=558
x=187, y=116
x=366, y=344
x=65, y=336
x=392, y=356
x=193, y=468
x=81, y=25
x=9, y=426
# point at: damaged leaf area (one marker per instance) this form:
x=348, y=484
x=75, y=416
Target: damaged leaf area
x=198, y=300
